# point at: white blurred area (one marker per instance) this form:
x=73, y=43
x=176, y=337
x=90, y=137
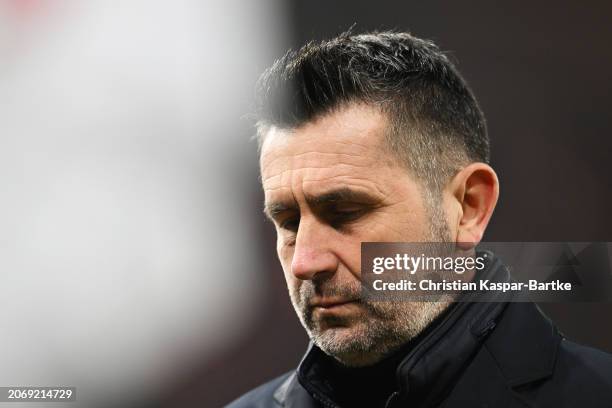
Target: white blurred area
x=126, y=237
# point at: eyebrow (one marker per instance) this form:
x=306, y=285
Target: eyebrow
x=343, y=194
x=273, y=209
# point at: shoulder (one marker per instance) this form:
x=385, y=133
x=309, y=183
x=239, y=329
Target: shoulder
x=262, y=396
x=582, y=365
x=582, y=377
x=542, y=367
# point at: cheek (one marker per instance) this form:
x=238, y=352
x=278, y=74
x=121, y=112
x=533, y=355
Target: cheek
x=293, y=286
x=284, y=253
x=285, y=256
x=348, y=250
x=404, y=223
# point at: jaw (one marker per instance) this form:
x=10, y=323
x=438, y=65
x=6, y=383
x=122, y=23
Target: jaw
x=355, y=345
x=366, y=341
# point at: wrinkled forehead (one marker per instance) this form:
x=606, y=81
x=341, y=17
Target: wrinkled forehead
x=353, y=136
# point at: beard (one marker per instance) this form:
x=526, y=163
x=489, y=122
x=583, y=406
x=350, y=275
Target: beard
x=377, y=328
x=367, y=336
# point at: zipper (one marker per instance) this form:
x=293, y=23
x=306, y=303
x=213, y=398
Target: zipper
x=487, y=328
x=391, y=400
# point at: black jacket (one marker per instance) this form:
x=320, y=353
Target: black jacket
x=492, y=355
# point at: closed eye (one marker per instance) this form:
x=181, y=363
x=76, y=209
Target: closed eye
x=290, y=224
x=339, y=218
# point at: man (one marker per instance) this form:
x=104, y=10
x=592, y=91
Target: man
x=377, y=138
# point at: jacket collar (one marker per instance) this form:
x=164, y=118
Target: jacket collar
x=432, y=367
x=522, y=362
x=521, y=350
x=429, y=370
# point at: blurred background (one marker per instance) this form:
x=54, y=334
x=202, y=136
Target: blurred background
x=135, y=260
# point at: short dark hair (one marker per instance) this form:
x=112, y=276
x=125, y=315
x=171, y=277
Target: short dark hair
x=435, y=123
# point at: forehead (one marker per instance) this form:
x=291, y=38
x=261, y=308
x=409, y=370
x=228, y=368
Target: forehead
x=347, y=142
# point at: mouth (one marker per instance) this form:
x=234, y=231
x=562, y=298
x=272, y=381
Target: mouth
x=332, y=304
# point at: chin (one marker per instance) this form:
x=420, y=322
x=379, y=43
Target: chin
x=352, y=346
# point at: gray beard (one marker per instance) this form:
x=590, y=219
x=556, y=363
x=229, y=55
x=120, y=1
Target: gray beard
x=382, y=328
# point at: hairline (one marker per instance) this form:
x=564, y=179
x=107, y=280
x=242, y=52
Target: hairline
x=395, y=133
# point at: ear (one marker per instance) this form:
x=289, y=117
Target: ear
x=474, y=190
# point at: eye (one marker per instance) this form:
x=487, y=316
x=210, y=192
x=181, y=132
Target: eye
x=290, y=224
x=348, y=215
x=344, y=215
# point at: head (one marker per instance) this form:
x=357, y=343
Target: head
x=364, y=138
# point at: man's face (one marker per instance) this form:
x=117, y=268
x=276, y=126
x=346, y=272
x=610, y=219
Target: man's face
x=330, y=185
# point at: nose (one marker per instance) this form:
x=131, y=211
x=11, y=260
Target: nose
x=313, y=257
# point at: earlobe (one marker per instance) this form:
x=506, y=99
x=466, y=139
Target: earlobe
x=476, y=189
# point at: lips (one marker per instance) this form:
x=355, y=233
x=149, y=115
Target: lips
x=330, y=303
